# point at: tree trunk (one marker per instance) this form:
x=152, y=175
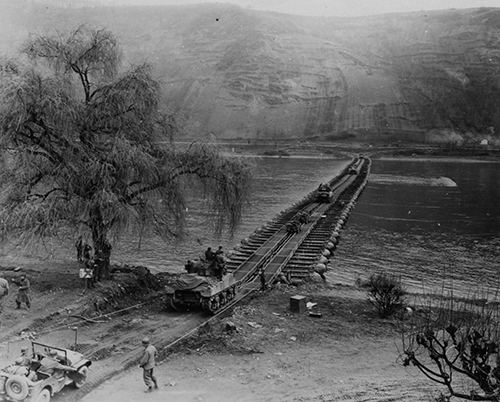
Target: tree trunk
x=102, y=247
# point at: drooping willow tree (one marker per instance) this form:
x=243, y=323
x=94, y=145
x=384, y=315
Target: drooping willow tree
x=85, y=146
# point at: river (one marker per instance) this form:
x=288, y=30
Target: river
x=278, y=182
x=438, y=237
x=435, y=223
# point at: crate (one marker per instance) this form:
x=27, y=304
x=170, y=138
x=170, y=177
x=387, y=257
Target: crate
x=298, y=304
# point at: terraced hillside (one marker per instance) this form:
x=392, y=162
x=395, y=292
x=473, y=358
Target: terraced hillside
x=241, y=73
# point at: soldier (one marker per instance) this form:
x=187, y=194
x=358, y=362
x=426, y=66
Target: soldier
x=86, y=257
x=106, y=252
x=219, y=251
x=220, y=263
x=24, y=359
x=282, y=278
x=50, y=365
x=4, y=290
x=147, y=363
x=190, y=267
x=87, y=274
x=97, y=265
x=209, y=254
x=23, y=293
x=79, y=248
x=262, y=277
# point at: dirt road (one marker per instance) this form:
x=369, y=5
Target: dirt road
x=347, y=354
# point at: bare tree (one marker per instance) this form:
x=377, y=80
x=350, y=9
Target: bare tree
x=85, y=146
x=457, y=345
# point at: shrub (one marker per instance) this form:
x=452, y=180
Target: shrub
x=386, y=293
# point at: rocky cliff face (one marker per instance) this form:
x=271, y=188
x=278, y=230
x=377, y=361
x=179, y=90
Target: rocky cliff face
x=239, y=73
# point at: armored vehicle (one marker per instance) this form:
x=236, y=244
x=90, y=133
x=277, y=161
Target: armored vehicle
x=206, y=285
x=324, y=193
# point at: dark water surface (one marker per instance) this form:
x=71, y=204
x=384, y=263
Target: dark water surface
x=433, y=236
x=472, y=207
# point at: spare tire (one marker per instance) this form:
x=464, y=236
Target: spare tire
x=81, y=379
x=16, y=387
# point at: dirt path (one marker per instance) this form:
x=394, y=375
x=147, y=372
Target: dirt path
x=347, y=354
x=55, y=291
x=110, y=339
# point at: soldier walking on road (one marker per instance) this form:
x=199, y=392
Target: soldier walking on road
x=147, y=364
x=4, y=290
x=23, y=293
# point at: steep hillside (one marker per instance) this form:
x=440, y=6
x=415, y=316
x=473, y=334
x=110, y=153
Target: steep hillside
x=247, y=74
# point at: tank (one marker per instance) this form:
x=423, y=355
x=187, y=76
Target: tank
x=203, y=286
x=324, y=193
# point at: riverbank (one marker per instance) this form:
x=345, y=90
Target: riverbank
x=325, y=150
x=274, y=355
x=261, y=352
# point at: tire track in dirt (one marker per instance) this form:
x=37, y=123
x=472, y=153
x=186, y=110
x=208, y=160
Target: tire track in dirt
x=161, y=328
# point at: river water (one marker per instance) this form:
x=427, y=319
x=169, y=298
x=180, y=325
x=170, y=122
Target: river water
x=278, y=183
x=438, y=238
x=429, y=231
x=434, y=223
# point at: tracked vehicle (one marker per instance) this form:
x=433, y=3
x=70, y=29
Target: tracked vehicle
x=324, y=193
x=206, y=285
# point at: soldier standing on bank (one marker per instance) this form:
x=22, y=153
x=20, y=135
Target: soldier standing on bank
x=79, y=248
x=86, y=256
x=87, y=274
x=106, y=251
x=4, y=290
x=23, y=293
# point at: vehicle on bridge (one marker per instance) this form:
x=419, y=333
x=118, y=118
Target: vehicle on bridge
x=324, y=193
x=295, y=225
x=206, y=285
x=29, y=380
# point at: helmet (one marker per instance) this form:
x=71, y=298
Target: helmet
x=145, y=340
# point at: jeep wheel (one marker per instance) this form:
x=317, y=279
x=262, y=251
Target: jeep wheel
x=43, y=396
x=82, y=378
x=16, y=388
